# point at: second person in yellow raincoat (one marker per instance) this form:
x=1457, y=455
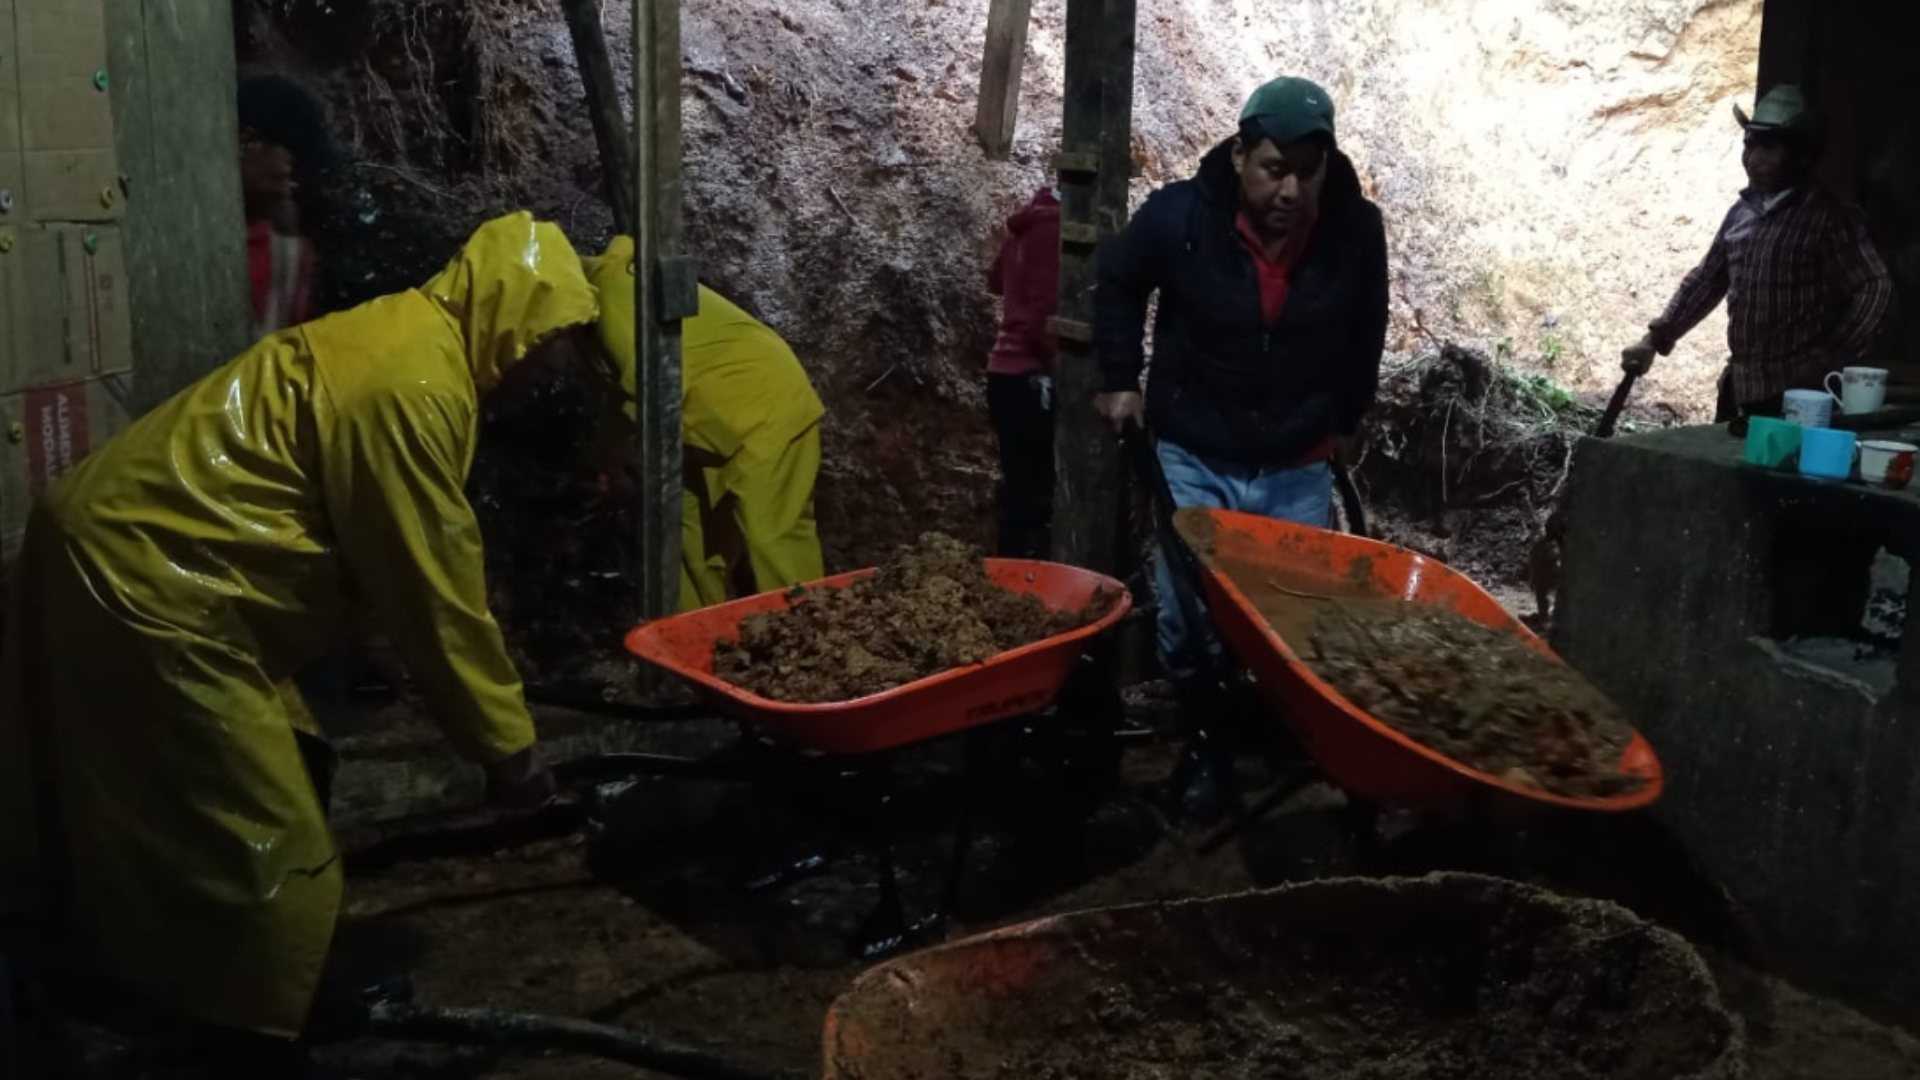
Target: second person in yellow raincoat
x=154, y=807
x=751, y=430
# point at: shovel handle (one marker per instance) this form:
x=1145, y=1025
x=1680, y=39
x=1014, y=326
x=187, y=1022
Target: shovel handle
x=1611, y=417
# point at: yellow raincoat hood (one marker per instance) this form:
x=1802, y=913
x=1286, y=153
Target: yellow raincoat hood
x=516, y=282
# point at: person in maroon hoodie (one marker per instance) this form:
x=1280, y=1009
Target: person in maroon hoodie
x=1026, y=277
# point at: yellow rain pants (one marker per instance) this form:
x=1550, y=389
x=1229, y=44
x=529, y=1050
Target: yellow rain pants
x=152, y=798
x=751, y=425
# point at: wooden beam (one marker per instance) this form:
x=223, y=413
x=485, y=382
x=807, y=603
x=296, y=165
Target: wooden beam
x=1000, y=67
x=177, y=138
x=603, y=106
x=1090, y=520
x=1786, y=43
x=659, y=257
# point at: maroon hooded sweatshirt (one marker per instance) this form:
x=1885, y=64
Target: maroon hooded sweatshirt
x=1026, y=276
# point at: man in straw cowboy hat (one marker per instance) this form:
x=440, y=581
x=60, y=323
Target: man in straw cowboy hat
x=1806, y=292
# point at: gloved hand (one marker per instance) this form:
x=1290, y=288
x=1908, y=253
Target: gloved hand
x=521, y=782
x=1636, y=358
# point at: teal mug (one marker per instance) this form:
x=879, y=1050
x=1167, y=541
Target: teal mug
x=1826, y=453
x=1771, y=443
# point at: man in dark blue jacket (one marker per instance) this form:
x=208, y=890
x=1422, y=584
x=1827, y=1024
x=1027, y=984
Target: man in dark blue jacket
x=1271, y=269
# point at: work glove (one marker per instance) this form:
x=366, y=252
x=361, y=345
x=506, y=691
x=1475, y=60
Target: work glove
x=521, y=782
x=1636, y=358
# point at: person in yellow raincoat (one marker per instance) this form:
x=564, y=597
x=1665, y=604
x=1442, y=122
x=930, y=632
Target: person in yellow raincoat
x=751, y=431
x=153, y=801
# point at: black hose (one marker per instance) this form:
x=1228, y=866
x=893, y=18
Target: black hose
x=501, y=1027
x=585, y=701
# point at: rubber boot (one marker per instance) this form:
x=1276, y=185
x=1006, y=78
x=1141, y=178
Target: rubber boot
x=1202, y=789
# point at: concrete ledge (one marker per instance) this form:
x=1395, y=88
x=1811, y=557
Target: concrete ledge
x=1796, y=786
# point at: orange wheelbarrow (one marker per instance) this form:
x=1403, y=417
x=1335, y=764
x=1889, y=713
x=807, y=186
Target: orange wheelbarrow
x=849, y=745
x=1371, y=760
x=1357, y=751
x=1138, y=991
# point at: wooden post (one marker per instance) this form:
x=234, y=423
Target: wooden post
x=171, y=68
x=1090, y=495
x=1787, y=29
x=603, y=106
x=665, y=292
x=1006, y=54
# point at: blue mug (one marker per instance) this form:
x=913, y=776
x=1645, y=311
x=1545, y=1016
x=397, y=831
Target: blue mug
x=1826, y=453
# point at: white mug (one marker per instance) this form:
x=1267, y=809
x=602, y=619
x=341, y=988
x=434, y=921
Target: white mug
x=1808, y=408
x=1879, y=457
x=1862, y=389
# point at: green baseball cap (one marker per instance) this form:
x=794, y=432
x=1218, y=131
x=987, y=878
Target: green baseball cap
x=1289, y=108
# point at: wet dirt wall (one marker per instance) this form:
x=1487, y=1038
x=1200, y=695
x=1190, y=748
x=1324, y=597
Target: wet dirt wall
x=1691, y=585
x=834, y=188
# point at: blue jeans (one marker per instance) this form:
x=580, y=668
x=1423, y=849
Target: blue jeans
x=1303, y=494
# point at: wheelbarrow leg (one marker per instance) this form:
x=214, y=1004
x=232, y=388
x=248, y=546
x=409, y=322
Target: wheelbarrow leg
x=1262, y=806
x=975, y=774
x=885, y=929
x=779, y=868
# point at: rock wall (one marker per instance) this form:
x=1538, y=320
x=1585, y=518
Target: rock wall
x=1548, y=171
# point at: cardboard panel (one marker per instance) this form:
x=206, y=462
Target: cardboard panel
x=12, y=187
x=110, y=325
x=65, y=295
x=9, y=89
x=31, y=277
x=72, y=185
x=45, y=432
x=64, y=102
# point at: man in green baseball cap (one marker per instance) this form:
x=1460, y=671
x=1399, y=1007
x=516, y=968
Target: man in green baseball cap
x=1271, y=270
x=1289, y=109
x=1806, y=292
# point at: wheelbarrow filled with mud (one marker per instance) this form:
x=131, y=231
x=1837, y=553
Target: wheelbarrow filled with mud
x=849, y=745
x=1452, y=975
x=1012, y=683
x=1405, y=681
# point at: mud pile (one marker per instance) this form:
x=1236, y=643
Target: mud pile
x=929, y=608
x=1468, y=453
x=1477, y=695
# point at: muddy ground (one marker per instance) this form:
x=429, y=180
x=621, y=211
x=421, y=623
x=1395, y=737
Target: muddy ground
x=645, y=926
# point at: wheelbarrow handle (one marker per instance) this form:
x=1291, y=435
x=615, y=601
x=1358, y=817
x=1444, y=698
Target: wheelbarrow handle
x=1183, y=564
x=1350, y=500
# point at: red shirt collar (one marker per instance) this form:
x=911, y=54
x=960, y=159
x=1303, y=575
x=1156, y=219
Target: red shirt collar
x=1258, y=247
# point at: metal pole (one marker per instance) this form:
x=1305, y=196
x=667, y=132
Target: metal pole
x=664, y=294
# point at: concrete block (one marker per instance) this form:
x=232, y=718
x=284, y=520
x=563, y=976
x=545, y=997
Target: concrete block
x=1713, y=600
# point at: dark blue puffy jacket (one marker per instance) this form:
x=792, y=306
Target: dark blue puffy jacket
x=1224, y=383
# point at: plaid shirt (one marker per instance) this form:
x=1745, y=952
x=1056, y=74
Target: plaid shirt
x=1805, y=291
